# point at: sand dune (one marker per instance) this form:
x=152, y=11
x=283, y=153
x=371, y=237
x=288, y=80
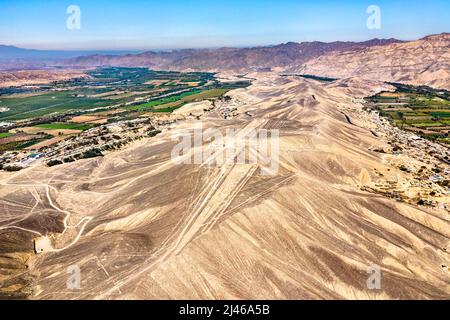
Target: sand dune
x=161, y=230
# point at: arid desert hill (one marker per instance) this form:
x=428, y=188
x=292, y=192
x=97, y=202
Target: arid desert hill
x=26, y=77
x=422, y=62
x=140, y=226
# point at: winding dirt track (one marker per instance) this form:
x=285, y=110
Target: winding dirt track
x=140, y=226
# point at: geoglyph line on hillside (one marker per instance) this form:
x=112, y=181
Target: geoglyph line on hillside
x=204, y=210
x=66, y=225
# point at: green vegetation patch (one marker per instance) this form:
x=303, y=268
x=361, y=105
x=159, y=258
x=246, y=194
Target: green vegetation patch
x=427, y=124
x=64, y=126
x=19, y=145
x=321, y=79
x=429, y=109
x=204, y=95
x=55, y=102
x=62, y=97
x=166, y=100
x=441, y=114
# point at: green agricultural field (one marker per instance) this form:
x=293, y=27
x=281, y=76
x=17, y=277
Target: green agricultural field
x=423, y=108
x=174, y=98
x=84, y=94
x=172, y=103
x=4, y=134
x=321, y=79
x=64, y=126
x=19, y=145
x=115, y=94
x=37, y=106
x=443, y=114
x=210, y=94
x=427, y=124
x=444, y=140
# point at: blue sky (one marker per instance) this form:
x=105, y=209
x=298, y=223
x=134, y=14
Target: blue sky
x=155, y=24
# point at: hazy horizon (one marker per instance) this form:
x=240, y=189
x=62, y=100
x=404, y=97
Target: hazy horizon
x=142, y=25
x=135, y=50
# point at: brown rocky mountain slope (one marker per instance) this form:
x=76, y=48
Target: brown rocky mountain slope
x=26, y=77
x=284, y=56
x=425, y=61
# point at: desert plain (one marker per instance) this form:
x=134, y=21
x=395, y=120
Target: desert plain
x=139, y=226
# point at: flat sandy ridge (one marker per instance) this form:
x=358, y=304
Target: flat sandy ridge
x=141, y=227
x=33, y=77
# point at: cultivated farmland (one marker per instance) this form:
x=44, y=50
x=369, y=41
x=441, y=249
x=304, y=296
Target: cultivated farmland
x=423, y=110
x=37, y=117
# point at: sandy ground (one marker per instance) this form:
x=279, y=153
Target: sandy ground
x=33, y=77
x=142, y=227
x=194, y=108
x=83, y=119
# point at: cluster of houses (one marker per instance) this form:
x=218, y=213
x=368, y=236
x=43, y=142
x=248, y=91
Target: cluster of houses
x=227, y=107
x=95, y=141
x=91, y=143
x=427, y=163
x=17, y=160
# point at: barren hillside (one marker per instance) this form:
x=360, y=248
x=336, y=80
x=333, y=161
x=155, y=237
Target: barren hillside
x=421, y=62
x=140, y=226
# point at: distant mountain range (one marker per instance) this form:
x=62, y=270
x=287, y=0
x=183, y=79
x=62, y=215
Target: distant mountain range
x=227, y=59
x=424, y=61
x=18, y=58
